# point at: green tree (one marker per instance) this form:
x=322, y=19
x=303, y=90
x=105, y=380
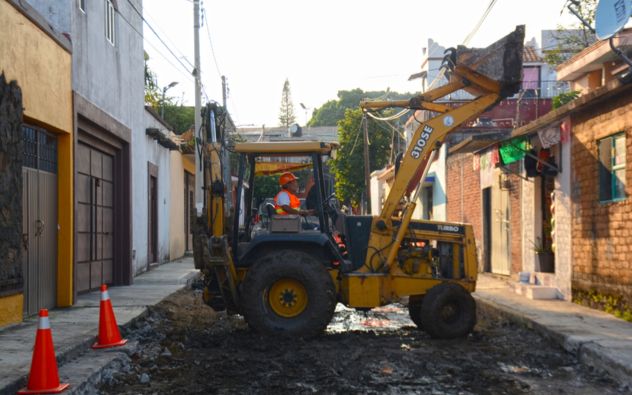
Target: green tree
x=574, y=38
x=334, y=110
x=348, y=167
x=286, y=113
x=563, y=98
x=181, y=118
x=152, y=91
x=265, y=187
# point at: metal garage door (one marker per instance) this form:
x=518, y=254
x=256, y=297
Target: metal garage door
x=95, y=209
x=39, y=219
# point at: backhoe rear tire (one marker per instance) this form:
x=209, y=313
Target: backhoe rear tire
x=288, y=293
x=448, y=311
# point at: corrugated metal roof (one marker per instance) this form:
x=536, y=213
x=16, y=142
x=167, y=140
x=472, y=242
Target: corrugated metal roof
x=471, y=145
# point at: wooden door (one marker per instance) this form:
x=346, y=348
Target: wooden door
x=501, y=230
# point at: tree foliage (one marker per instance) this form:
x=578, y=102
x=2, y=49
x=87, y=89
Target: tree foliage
x=152, y=91
x=348, y=167
x=286, y=113
x=575, y=38
x=334, y=110
x=563, y=98
x=181, y=118
x=265, y=187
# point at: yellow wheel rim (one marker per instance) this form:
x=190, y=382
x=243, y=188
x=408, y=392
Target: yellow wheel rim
x=287, y=297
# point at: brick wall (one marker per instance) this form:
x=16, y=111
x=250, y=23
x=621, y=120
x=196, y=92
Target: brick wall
x=516, y=217
x=464, y=203
x=601, y=233
x=464, y=194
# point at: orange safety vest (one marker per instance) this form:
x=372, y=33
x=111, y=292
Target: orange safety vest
x=295, y=202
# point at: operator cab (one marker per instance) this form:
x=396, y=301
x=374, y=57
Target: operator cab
x=260, y=165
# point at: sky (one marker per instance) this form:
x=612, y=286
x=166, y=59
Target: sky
x=320, y=47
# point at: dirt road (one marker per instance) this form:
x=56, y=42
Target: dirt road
x=187, y=348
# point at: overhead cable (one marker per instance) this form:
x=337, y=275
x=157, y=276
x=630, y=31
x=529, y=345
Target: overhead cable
x=186, y=74
x=208, y=32
x=467, y=40
x=158, y=35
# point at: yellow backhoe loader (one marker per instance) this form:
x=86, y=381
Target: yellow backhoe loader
x=286, y=278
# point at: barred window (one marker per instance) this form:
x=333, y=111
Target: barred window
x=612, y=161
x=40, y=149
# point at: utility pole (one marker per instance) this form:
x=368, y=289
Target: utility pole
x=367, y=165
x=199, y=196
x=224, y=92
x=225, y=155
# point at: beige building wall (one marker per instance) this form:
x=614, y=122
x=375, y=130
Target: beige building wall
x=176, y=211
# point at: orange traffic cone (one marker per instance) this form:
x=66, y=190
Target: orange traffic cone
x=43, y=378
x=109, y=335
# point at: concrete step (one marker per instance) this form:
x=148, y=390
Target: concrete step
x=536, y=292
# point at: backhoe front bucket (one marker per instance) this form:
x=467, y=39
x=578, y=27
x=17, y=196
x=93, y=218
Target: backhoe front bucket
x=501, y=61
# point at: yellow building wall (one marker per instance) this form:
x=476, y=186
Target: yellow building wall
x=11, y=309
x=41, y=67
x=188, y=161
x=43, y=70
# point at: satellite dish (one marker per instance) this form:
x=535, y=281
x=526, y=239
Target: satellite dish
x=295, y=130
x=611, y=16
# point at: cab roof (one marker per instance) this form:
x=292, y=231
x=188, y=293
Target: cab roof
x=286, y=147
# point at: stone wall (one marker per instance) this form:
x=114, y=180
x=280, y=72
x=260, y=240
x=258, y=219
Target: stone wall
x=601, y=234
x=10, y=187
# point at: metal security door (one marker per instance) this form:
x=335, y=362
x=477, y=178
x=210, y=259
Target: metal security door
x=95, y=210
x=501, y=231
x=39, y=219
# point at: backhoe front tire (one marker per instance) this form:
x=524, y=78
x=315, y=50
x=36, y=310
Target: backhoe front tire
x=448, y=311
x=288, y=293
x=414, y=310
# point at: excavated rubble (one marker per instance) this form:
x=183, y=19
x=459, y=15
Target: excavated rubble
x=186, y=347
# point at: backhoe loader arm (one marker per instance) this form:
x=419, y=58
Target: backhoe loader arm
x=502, y=65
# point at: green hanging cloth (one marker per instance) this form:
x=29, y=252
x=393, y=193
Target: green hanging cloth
x=513, y=150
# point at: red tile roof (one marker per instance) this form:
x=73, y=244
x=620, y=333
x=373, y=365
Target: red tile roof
x=529, y=55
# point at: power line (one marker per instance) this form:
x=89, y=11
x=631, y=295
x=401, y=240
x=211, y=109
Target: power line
x=168, y=39
x=478, y=25
x=157, y=35
x=187, y=74
x=208, y=32
x=467, y=39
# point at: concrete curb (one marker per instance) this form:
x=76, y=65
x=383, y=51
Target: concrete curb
x=587, y=352
x=82, y=377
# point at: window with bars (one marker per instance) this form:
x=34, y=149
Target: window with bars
x=612, y=161
x=110, y=28
x=40, y=149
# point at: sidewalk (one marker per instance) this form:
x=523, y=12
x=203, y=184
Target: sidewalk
x=74, y=329
x=598, y=339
